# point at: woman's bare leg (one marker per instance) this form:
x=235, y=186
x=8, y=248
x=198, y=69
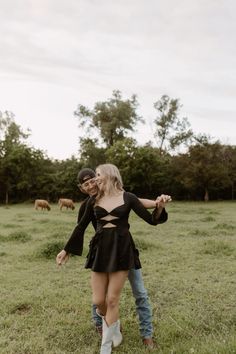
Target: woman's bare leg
x=116, y=281
x=99, y=284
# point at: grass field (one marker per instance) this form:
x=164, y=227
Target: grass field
x=189, y=269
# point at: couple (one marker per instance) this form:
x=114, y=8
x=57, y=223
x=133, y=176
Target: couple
x=112, y=255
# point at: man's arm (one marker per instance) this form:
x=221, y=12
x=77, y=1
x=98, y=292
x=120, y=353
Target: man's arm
x=148, y=203
x=82, y=209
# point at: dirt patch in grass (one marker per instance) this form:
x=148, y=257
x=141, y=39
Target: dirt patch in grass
x=21, y=309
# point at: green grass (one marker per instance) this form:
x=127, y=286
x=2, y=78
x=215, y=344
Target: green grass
x=189, y=267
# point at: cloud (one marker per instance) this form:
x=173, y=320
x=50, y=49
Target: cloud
x=90, y=47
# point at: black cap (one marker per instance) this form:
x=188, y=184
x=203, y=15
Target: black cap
x=85, y=174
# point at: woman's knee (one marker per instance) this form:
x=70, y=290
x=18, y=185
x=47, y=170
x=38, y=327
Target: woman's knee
x=99, y=301
x=112, y=301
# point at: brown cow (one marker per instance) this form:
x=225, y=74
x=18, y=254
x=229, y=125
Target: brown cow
x=41, y=203
x=68, y=203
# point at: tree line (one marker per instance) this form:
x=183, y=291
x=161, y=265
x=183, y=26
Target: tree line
x=175, y=161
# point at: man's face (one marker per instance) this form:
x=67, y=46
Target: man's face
x=89, y=187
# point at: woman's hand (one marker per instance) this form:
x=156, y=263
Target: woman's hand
x=162, y=200
x=62, y=257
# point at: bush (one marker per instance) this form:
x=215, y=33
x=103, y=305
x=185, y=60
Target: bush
x=50, y=250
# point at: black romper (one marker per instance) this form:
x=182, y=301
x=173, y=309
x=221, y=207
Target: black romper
x=113, y=248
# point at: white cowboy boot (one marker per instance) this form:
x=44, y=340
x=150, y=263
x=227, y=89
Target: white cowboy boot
x=107, y=337
x=117, y=336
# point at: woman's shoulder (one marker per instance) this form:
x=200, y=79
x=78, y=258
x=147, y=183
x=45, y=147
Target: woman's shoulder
x=129, y=196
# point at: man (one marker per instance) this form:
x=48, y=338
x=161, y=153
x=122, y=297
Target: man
x=87, y=184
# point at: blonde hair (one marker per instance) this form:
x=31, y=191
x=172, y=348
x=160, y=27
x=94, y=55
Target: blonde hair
x=113, y=180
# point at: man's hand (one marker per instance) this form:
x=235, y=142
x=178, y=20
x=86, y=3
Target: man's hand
x=62, y=258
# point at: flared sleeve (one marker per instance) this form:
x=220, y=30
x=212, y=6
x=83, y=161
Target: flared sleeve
x=153, y=218
x=86, y=214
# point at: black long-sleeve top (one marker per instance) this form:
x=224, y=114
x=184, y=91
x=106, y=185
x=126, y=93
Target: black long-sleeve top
x=86, y=215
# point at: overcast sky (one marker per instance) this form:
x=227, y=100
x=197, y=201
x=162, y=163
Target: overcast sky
x=56, y=54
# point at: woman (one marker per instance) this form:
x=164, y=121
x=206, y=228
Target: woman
x=112, y=250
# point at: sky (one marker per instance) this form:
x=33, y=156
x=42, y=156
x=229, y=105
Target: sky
x=56, y=54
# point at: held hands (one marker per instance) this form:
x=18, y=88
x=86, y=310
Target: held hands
x=62, y=258
x=162, y=200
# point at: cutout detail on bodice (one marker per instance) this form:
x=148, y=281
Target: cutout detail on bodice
x=108, y=225
x=109, y=218
x=106, y=220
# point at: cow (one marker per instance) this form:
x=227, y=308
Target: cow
x=41, y=203
x=68, y=203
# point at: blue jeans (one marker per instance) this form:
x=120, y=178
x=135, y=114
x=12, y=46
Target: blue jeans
x=143, y=307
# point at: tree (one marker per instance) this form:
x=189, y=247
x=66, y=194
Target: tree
x=171, y=131
x=24, y=171
x=202, y=169
x=91, y=154
x=230, y=165
x=143, y=170
x=19, y=171
x=11, y=147
x=112, y=119
x=10, y=132
x=64, y=176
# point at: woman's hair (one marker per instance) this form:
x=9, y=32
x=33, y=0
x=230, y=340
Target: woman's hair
x=112, y=180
